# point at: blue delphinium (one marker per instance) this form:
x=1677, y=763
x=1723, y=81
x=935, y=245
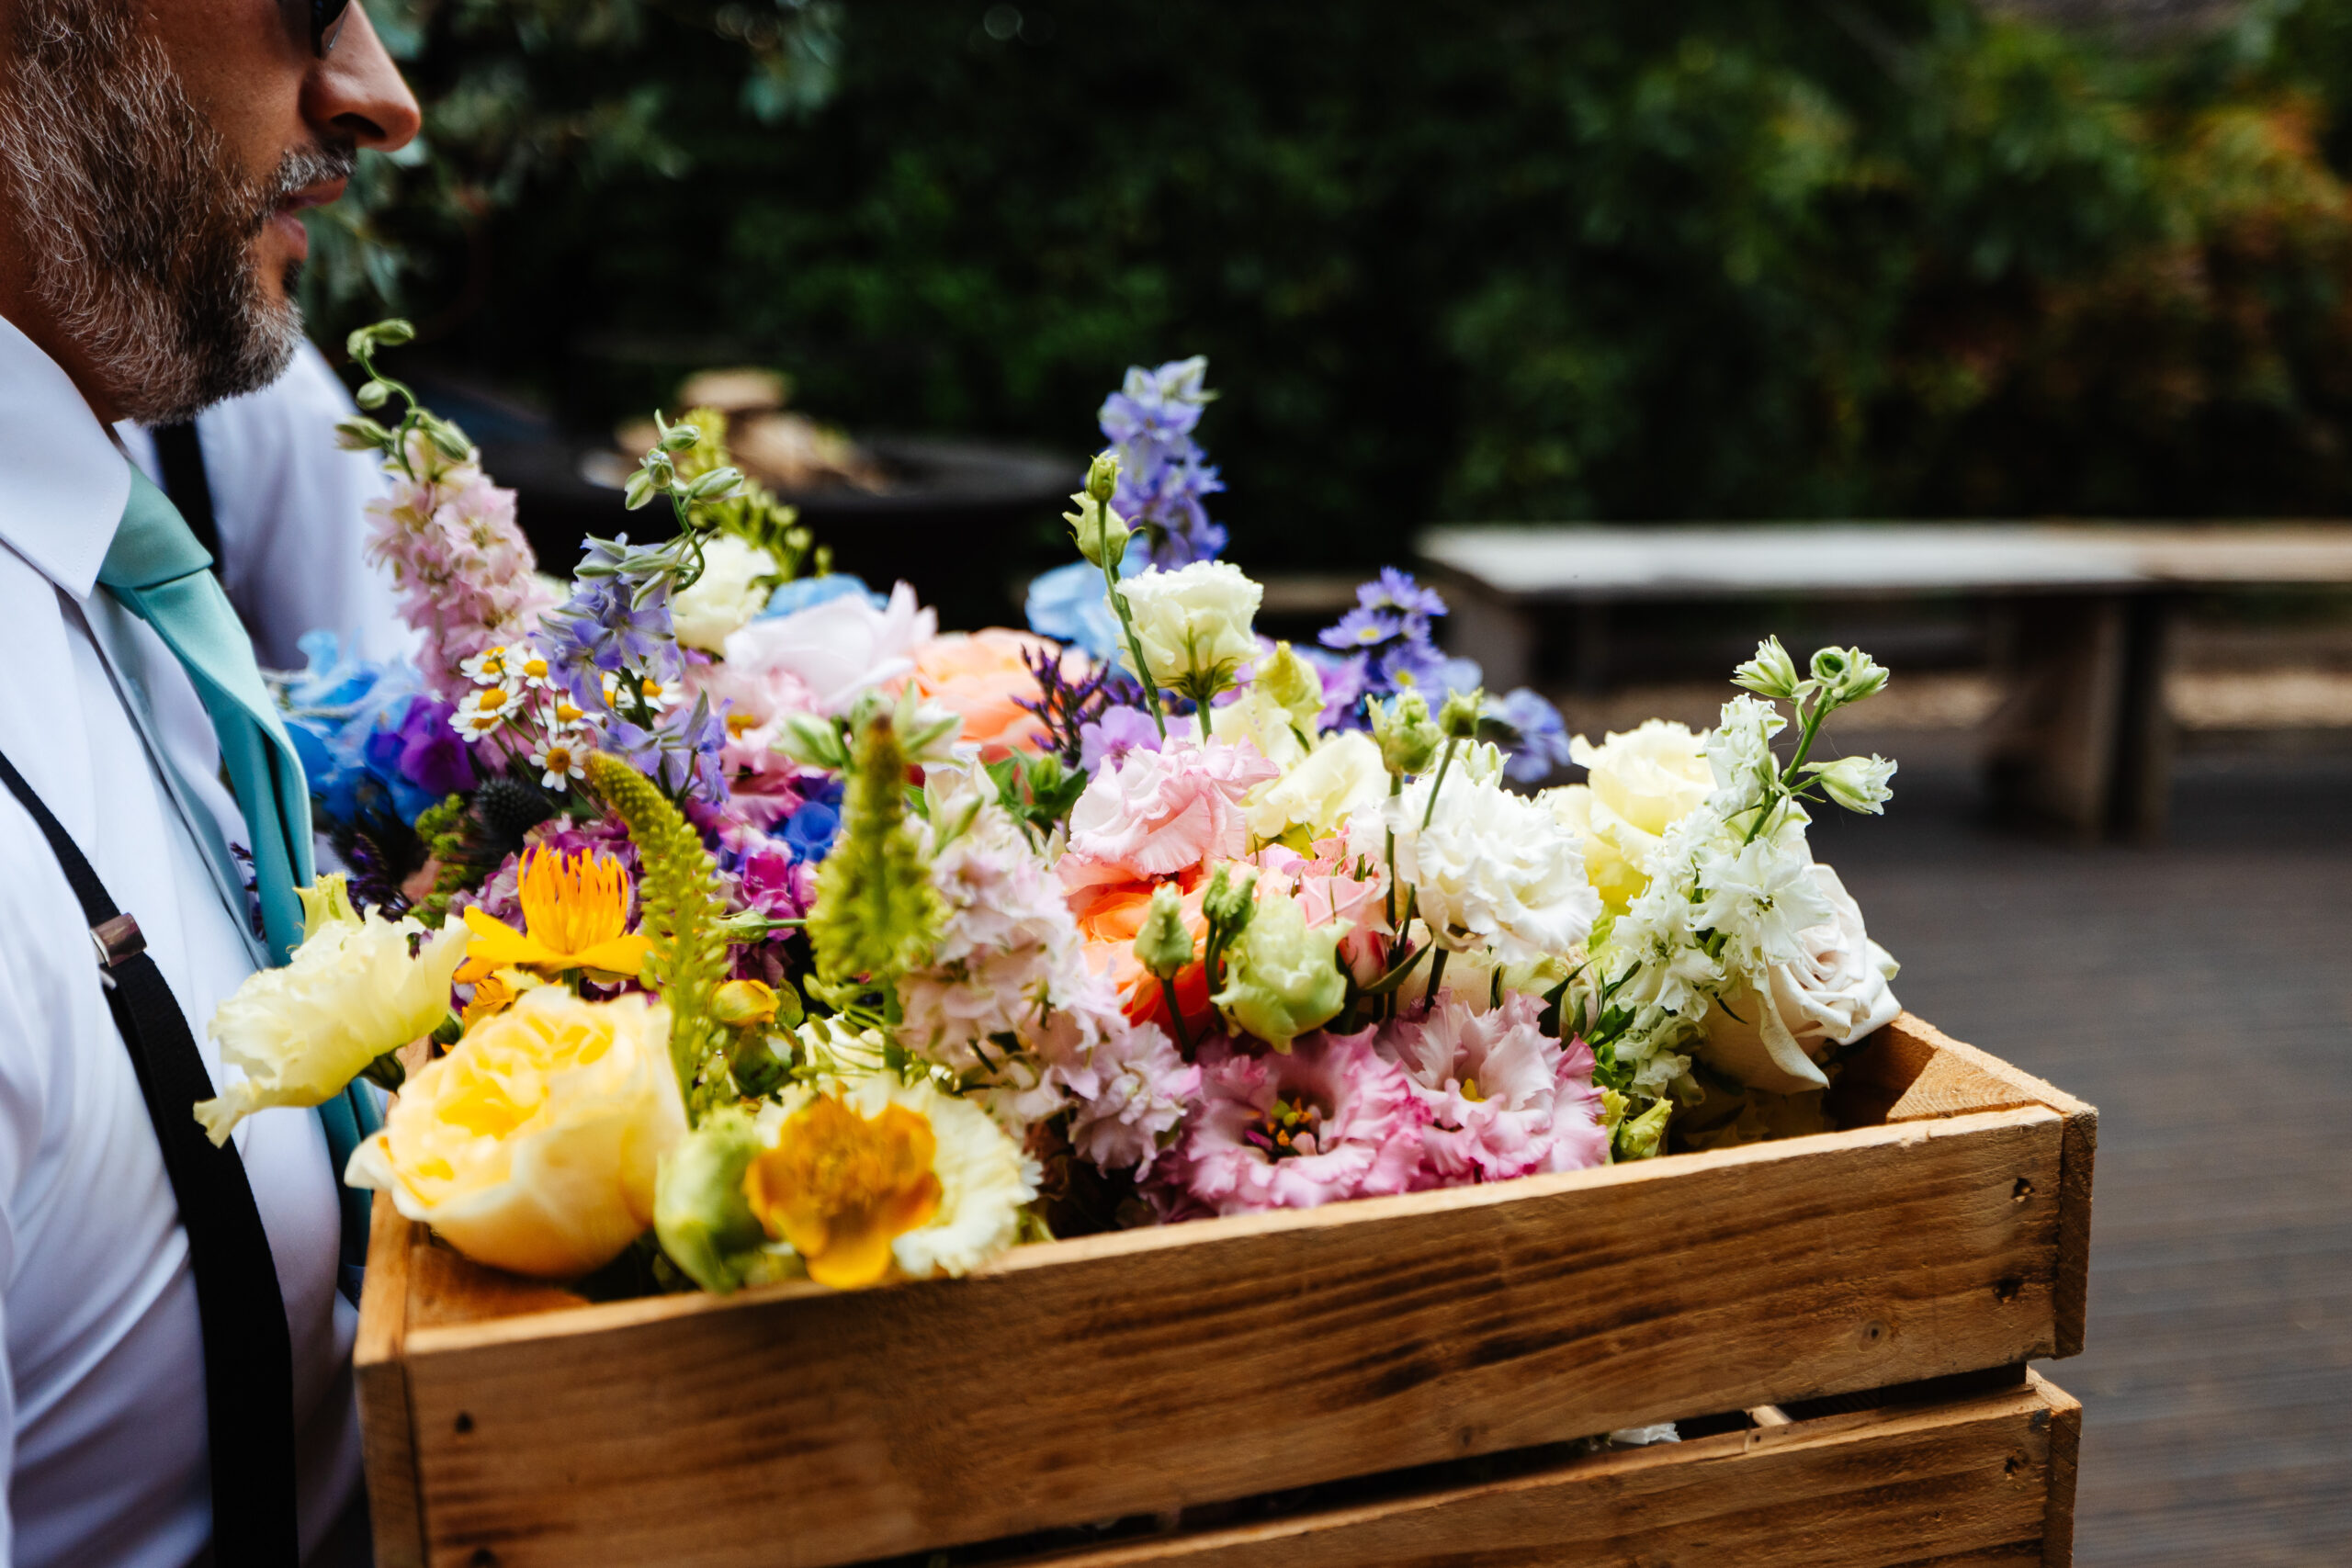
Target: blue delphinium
x=1541, y=739
x=1163, y=474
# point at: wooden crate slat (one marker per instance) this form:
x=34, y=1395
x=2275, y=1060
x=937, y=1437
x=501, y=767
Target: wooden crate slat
x=1978, y=1480
x=1260, y=1353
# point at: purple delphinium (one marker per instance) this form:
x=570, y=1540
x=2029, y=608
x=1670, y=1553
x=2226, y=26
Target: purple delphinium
x=1386, y=639
x=1539, y=739
x=681, y=753
x=603, y=626
x=1162, y=474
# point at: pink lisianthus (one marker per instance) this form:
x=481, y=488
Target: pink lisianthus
x=1330, y=1119
x=836, y=649
x=1503, y=1098
x=1156, y=813
x=1336, y=885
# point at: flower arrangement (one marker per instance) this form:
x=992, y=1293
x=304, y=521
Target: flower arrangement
x=720, y=924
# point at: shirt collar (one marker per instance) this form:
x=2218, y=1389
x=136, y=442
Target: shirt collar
x=63, y=482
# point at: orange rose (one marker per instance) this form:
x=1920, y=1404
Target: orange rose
x=1109, y=917
x=980, y=675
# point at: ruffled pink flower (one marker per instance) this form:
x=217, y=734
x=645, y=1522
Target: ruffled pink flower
x=1503, y=1098
x=1337, y=884
x=1130, y=1093
x=839, y=648
x=1331, y=1119
x=1156, y=813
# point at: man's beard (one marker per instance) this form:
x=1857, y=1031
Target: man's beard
x=138, y=229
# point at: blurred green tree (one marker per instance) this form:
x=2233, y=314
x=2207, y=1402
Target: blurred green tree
x=1498, y=258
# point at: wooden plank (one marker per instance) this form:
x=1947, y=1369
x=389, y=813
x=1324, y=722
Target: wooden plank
x=1975, y=1481
x=1952, y=1073
x=1265, y=1352
x=395, y=1501
x=2065, y=1456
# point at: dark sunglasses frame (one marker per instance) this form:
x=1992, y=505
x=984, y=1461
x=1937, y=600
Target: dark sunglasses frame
x=326, y=18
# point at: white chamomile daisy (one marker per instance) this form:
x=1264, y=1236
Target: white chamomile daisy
x=484, y=710
x=531, y=666
x=561, y=757
x=490, y=667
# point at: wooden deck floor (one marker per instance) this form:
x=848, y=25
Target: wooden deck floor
x=2201, y=994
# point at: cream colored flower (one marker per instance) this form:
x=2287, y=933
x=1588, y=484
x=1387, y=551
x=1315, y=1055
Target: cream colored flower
x=1774, y=1028
x=352, y=992
x=533, y=1144
x=1641, y=784
x=725, y=597
x=1340, y=778
x=1194, y=622
x=876, y=1177
x=1266, y=724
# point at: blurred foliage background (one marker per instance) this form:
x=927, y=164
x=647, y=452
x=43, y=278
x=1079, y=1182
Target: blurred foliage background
x=1495, y=259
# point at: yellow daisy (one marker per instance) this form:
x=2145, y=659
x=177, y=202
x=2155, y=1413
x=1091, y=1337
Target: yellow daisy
x=575, y=916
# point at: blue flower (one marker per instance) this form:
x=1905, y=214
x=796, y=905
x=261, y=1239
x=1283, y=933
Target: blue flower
x=1361, y=628
x=1070, y=604
x=1162, y=474
x=809, y=832
x=1543, y=743
x=1394, y=590
x=807, y=593
x=350, y=723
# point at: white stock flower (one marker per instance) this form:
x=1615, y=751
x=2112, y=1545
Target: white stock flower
x=1739, y=750
x=1832, y=992
x=1338, y=779
x=1762, y=896
x=1193, y=622
x=727, y=595
x=1858, y=784
x=1491, y=869
x=351, y=993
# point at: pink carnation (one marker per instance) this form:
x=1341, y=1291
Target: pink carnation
x=1331, y=1119
x=1503, y=1098
x=1156, y=813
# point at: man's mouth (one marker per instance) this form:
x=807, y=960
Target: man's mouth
x=285, y=218
x=317, y=195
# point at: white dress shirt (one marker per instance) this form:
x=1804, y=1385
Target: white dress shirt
x=102, y=1423
x=289, y=506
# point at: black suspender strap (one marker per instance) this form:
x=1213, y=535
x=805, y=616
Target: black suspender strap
x=248, y=1351
x=179, y=454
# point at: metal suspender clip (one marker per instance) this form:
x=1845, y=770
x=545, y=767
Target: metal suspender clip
x=119, y=940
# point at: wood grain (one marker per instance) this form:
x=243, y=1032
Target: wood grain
x=1151, y=1370
x=1973, y=1480
x=395, y=1500
x=2065, y=1457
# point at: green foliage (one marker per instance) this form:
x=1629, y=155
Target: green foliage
x=876, y=915
x=1502, y=258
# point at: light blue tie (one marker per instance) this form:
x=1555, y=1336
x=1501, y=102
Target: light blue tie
x=162, y=576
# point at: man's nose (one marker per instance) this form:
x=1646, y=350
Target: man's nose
x=355, y=94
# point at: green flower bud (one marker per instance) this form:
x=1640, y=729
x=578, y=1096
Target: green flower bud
x=1287, y=679
x=373, y=395
x=393, y=333
x=357, y=435
x=679, y=438
x=1848, y=674
x=1164, y=946
x=1409, y=739
x=1229, y=904
x=1858, y=784
x=639, y=490
x=700, y=1214
x=715, y=484
x=1282, y=978
x=1459, y=717
x=1102, y=477
x=742, y=1004
x=1100, y=532
x=1771, y=673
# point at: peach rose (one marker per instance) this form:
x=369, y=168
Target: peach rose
x=981, y=676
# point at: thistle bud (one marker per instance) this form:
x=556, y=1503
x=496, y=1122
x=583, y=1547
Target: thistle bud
x=1103, y=478
x=1458, y=720
x=1408, y=738
x=1164, y=945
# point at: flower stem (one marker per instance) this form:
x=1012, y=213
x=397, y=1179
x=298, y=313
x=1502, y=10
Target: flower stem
x=1176, y=1016
x=1445, y=760
x=1437, y=974
x=1127, y=624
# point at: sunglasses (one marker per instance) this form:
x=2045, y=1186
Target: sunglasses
x=326, y=19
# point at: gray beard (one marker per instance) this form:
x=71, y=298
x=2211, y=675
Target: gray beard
x=138, y=228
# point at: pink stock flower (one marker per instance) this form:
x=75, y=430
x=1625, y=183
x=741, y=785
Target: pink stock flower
x=1331, y=1119
x=1156, y=813
x=839, y=648
x=466, y=574
x=1503, y=1098
x=1130, y=1093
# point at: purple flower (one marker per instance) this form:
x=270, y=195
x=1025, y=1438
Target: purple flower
x=679, y=753
x=1361, y=628
x=1542, y=738
x=1110, y=738
x=432, y=755
x=1394, y=590
x=1330, y=1119
x=1344, y=682
x=1162, y=475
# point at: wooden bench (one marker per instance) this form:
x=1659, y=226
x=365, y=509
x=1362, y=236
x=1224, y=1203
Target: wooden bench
x=2082, y=736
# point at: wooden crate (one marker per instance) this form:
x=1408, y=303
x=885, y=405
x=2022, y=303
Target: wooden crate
x=1944, y=1232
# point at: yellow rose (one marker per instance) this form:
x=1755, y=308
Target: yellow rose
x=532, y=1146
x=351, y=993
x=1640, y=784
x=1338, y=779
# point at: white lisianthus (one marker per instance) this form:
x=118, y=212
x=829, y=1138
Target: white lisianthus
x=1832, y=992
x=727, y=595
x=1194, y=622
x=532, y=1146
x=1491, y=869
x=351, y=993
x=1338, y=779
x=1640, y=784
